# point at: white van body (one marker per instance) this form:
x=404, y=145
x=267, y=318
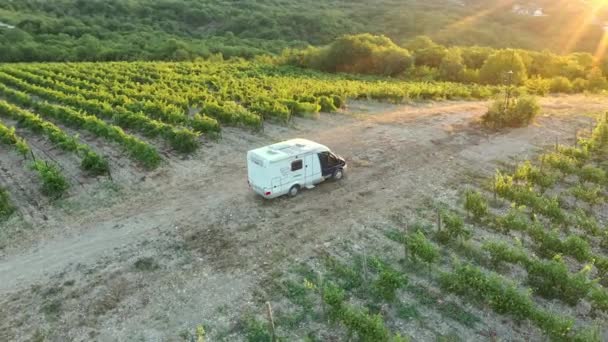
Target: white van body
x=288, y=166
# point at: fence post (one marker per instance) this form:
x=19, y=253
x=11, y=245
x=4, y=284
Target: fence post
x=270, y=322
x=438, y=220
x=405, y=229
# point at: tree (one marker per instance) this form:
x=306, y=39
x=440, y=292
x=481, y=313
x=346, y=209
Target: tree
x=452, y=67
x=596, y=80
x=496, y=68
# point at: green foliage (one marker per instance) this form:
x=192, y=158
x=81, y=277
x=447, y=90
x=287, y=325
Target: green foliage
x=421, y=248
x=452, y=67
x=358, y=321
x=551, y=279
x=205, y=124
x=560, y=84
x=585, y=222
x=527, y=172
x=589, y=194
x=549, y=244
x=54, y=184
x=327, y=104
x=596, y=80
x=8, y=137
x=505, y=298
x=589, y=173
x=256, y=331
x=476, y=204
x=518, y=112
x=453, y=228
x=94, y=164
x=387, y=283
x=362, y=54
x=6, y=208
x=538, y=86
x=91, y=162
x=501, y=252
x=515, y=219
x=496, y=68
x=494, y=290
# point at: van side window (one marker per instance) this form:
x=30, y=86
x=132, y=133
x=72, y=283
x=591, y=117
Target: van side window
x=296, y=165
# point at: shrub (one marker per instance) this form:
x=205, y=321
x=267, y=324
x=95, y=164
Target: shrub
x=421, y=248
x=362, y=53
x=204, y=124
x=551, y=279
x=520, y=112
x=327, y=104
x=495, y=69
x=577, y=247
x=532, y=174
x=475, y=204
x=591, y=195
x=6, y=208
x=387, y=283
x=580, y=85
x=367, y=327
x=54, y=184
x=592, y=174
x=453, y=228
x=538, y=86
x=560, y=84
x=501, y=252
x=339, y=101
x=514, y=219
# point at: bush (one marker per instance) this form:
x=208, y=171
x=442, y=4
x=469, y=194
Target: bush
x=452, y=67
x=475, y=204
x=388, y=282
x=94, y=164
x=327, y=104
x=421, y=248
x=560, y=84
x=495, y=69
x=515, y=220
x=6, y=208
x=592, y=174
x=519, y=113
x=538, y=86
x=205, y=124
x=363, y=54
x=453, y=228
x=577, y=247
x=552, y=280
x=54, y=184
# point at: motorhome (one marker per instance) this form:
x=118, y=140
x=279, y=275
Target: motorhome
x=287, y=167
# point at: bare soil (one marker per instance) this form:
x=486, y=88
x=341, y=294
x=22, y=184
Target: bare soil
x=150, y=257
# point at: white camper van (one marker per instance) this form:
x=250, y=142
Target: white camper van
x=287, y=167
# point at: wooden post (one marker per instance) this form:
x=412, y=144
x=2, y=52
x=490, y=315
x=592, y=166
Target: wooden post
x=575, y=137
x=405, y=241
x=364, y=265
x=494, y=186
x=438, y=220
x=542, y=164
x=270, y=322
x=556, y=144
x=33, y=157
x=322, y=292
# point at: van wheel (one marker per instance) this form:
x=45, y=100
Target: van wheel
x=293, y=192
x=338, y=174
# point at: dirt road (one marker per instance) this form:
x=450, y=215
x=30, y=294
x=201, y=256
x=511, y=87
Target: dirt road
x=213, y=243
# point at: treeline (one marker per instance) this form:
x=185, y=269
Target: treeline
x=104, y=30
x=423, y=59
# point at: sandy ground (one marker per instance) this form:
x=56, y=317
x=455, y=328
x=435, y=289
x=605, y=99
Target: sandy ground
x=189, y=243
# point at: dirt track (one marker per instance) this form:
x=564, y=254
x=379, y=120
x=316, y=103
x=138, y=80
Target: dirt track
x=215, y=242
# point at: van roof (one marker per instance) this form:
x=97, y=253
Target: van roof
x=286, y=149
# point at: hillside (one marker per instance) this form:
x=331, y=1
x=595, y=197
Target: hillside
x=58, y=30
